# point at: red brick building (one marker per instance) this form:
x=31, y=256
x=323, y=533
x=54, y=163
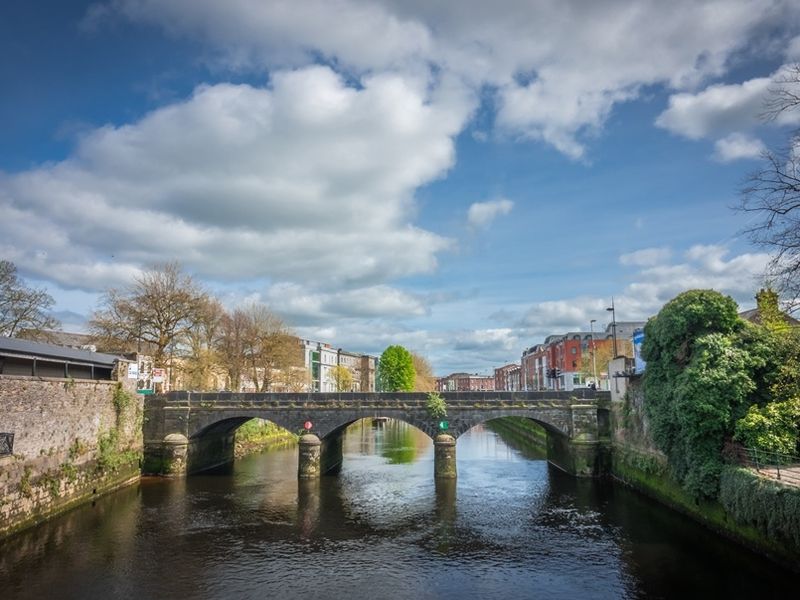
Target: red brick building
x=464, y=382
x=507, y=378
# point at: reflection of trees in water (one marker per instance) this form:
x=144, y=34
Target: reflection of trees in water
x=401, y=442
x=513, y=434
x=394, y=440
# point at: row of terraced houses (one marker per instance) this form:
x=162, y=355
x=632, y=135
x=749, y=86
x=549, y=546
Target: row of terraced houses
x=564, y=361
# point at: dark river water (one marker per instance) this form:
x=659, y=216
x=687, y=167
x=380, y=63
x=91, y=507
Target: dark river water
x=511, y=527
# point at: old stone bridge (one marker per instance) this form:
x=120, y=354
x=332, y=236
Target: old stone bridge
x=187, y=432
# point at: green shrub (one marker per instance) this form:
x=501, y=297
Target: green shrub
x=773, y=427
x=436, y=406
x=770, y=507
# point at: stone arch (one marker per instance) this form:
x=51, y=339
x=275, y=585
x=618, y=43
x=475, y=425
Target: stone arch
x=332, y=451
x=213, y=444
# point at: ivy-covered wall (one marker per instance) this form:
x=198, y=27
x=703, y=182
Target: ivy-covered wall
x=73, y=440
x=751, y=510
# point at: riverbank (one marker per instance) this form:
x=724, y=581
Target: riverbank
x=754, y=511
x=258, y=435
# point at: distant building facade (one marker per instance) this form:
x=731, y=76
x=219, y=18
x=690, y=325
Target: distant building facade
x=464, y=382
x=321, y=359
x=558, y=363
x=507, y=378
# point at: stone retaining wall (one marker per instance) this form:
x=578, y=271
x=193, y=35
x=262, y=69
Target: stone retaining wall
x=73, y=440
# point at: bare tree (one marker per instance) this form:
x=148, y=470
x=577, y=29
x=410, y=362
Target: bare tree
x=772, y=194
x=201, y=359
x=341, y=378
x=256, y=342
x=160, y=308
x=424, y=379
x=232, y=345
x=23, y=310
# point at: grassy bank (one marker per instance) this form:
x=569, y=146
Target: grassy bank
x=258, y=435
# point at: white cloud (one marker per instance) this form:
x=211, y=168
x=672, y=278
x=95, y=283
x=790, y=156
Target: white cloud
x=558, y=68
x=646, y=257
x=305, y=304
x=703, y=267
x=727, y=113
x=481, y=214
x=738, y=146
x=718, y=109
x=309, y=179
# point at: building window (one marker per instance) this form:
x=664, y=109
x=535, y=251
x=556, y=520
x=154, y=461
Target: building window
x=573, y=350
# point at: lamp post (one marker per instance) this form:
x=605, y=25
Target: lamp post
x=594, y=360
x=613, y=325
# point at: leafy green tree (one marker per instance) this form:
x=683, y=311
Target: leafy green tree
x=396, y=370
x=704, y=365
x=785, y=381
x=773, y=427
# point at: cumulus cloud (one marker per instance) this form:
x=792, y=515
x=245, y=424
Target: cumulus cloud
x=726, y=112
x=305, y=304
x=481, y=214
x=702, y=267
x=738, y=146
x=717, y=109
x=557, y=69
x=308, y=179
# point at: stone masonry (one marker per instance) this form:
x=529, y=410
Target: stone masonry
x=58, y=426
x=186, y=432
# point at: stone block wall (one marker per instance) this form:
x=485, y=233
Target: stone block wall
x=73, y=439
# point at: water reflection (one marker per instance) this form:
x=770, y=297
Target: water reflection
x=510, y=526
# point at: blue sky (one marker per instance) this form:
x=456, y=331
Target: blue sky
x=460, y=178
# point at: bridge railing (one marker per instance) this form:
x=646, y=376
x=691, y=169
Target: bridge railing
x=381, y=399
x=775, y=465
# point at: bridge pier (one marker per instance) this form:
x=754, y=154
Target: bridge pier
x=175, y=454
x=444, y=457
x=308, y=466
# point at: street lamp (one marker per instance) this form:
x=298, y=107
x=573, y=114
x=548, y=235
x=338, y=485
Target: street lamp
x=594, y=359
x=613, y=325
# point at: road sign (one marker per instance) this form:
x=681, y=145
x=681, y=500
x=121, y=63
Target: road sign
x=444, y=425
x=308, y=425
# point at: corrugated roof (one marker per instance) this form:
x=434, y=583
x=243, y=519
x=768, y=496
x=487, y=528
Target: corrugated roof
x=18, y=347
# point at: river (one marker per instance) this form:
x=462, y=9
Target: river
x=511, y=526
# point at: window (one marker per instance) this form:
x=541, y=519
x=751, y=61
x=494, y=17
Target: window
x=573, y=350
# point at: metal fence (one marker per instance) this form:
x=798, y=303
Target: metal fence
x=783, y=467
x=6, y=444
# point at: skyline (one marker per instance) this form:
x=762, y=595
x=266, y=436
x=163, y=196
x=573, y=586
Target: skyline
x=462, y=181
